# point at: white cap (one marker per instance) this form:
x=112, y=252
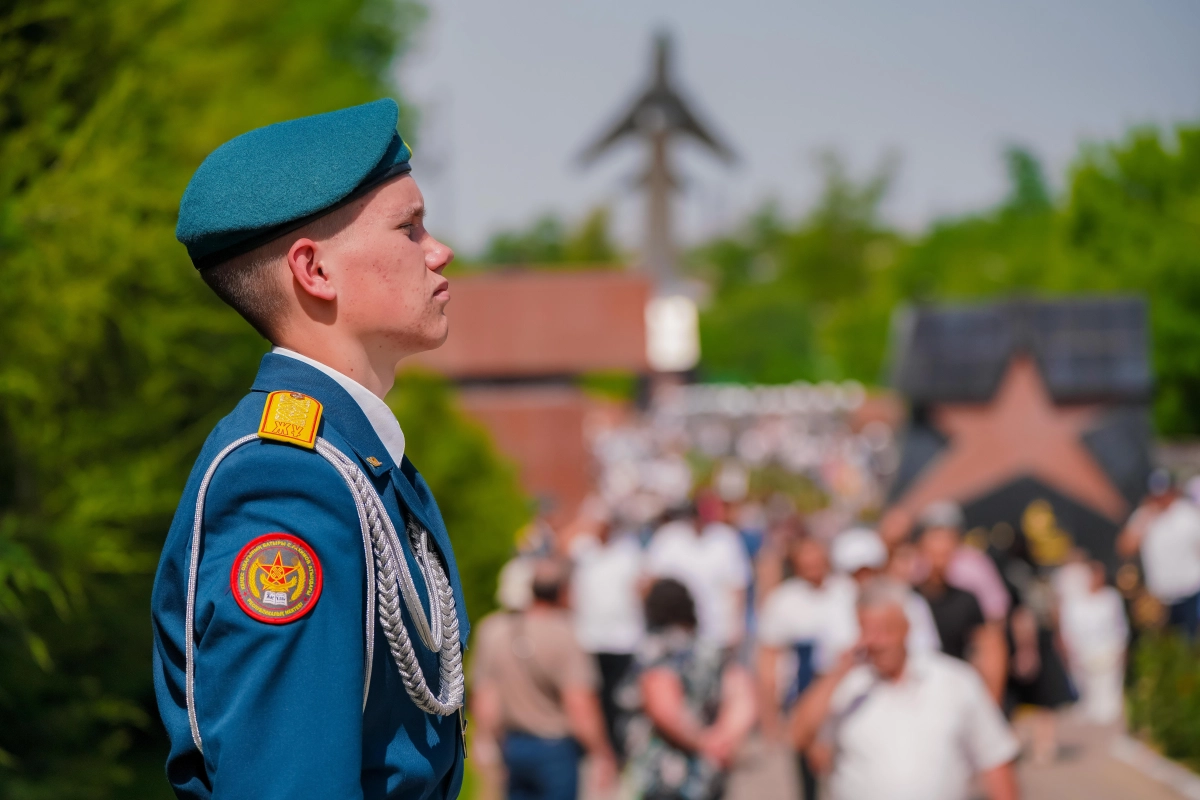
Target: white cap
x=514, y=589
x=856, y=549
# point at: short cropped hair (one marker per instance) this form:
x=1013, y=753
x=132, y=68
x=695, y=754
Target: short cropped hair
x=550, y=577
x=669, y=605
x=879, y=592
x=942, y=514
x=249, y=283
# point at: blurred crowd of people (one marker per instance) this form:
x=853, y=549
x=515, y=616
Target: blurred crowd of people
x=672, y=621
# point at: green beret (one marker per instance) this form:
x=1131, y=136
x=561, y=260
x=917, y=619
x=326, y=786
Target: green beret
x=270, y=181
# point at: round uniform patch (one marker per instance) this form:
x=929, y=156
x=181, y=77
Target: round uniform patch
x=276, y=578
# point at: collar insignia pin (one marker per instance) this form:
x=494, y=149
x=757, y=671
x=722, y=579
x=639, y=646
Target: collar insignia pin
x=374, y=462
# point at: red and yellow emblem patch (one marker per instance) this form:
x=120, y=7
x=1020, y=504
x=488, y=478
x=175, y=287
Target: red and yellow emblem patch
x=276, y=578
x=290, y=417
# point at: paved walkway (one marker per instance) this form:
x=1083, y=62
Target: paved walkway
x=1086, y=771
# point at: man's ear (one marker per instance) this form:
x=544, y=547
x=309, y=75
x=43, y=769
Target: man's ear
x=303, y=259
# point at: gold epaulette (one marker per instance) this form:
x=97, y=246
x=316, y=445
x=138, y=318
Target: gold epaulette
x=291, y=417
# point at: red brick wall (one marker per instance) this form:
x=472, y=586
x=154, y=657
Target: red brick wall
x=541, y=429
x=526, y=324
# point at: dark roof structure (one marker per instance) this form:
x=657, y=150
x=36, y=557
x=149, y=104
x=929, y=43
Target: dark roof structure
x=1087, y=349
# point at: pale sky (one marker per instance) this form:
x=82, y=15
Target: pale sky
x=512, y=91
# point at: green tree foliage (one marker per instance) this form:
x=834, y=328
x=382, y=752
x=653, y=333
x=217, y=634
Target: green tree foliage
x=801, y=300
x=813, y=299
x=1133, y=224
x=118, y=360
x=1128, y=222
x=548, y=243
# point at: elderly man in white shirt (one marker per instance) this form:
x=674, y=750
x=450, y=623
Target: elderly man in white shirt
x=901, y=727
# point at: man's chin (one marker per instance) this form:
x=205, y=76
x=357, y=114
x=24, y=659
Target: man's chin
x=436, y=337
x=441, y=338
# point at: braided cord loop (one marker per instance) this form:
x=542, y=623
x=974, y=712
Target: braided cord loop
x=388, y=580
x=440, y=629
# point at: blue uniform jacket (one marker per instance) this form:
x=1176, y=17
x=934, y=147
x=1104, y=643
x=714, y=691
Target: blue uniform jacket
x=280, y=706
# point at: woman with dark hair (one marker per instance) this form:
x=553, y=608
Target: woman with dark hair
x=688, y=707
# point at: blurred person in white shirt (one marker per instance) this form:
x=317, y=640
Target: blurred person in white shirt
x=905, y=727
x=1165, y=530
x=606, y=600
x=805, y=625
x=862, y=554
x=1095, y=631
x=712, y=563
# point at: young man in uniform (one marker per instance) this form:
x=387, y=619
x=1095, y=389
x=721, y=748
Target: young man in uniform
x=308, y=616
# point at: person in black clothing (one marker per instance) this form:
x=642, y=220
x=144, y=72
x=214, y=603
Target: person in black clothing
x=1039, y=674
x=964, y=631
x=957, y=615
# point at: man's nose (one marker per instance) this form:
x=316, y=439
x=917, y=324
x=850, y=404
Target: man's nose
x=438, y=256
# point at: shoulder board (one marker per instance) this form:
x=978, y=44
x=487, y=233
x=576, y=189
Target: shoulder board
x=291, y=417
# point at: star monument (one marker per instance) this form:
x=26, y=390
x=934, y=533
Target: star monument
x=1020, y=432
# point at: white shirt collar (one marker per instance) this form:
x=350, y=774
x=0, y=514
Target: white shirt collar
x=377, y=412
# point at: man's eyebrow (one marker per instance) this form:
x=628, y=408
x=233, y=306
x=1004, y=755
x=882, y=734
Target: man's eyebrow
x=412, y=212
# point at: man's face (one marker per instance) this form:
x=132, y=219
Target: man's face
x=810, y=561
x=390, y=289
x=938, y=546
x=884, y=630
x=903, y=566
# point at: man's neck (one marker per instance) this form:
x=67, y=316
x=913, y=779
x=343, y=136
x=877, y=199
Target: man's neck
x=350, y=358
x=935, y=585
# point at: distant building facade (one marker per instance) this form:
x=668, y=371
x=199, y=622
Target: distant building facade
x=519, y=342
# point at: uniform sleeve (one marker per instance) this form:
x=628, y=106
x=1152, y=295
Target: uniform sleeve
x=280, y=705
x=989, y=740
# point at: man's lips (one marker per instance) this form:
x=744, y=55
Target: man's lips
x=443, y=291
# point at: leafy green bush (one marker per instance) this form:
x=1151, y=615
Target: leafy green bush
x=1165, y=702
x=117, y=360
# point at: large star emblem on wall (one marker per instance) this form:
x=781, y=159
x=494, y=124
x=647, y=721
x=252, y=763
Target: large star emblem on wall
x=1019, y=432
